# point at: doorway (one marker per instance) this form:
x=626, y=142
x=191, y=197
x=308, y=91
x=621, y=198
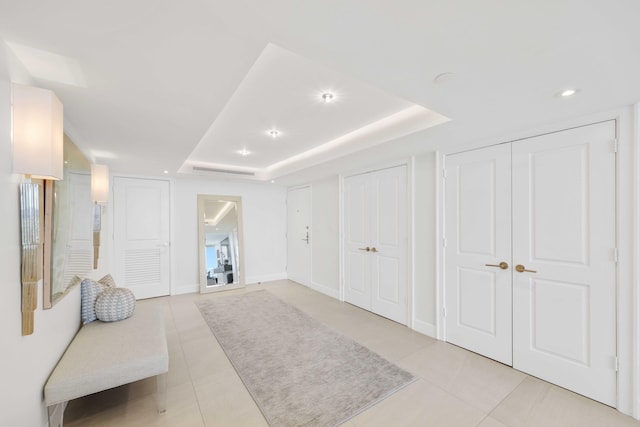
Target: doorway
x=375, y=242
x=530, y=264
x=141, y=227
x=299, y=235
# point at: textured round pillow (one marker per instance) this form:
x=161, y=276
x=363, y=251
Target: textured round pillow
x=115, y=304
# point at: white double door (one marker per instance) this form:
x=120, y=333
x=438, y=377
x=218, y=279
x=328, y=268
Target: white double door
x=142, y=236
x=530, y=256
x=375, y=242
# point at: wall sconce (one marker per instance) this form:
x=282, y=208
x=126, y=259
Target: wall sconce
x=37, y=134
x=100, y=196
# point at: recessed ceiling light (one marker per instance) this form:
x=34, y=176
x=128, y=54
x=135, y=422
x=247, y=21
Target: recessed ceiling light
x=274, y=133
x=165, y=172
x=328, y=96
x=244, y=152
x=568, y=92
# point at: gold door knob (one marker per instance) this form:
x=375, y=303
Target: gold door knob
x=520, y=269
x=364, y=249
x=503, y=265
x=374, y=250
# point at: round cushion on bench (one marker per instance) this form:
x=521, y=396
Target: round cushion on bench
x=115, y=304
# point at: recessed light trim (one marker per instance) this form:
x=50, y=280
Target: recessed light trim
x=328, y=97
x=244, y=152
x=273, y=133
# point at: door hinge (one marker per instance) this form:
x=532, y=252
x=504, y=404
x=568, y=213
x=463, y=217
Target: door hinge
x=444, y=242
x=444, y=312
x=616, y=255
x=616, y=363
x=615, y=145
x=444, y=173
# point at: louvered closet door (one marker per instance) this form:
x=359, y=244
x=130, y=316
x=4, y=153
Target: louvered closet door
x=141, y=236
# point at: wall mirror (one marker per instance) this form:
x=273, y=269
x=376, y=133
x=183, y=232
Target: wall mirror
x=68, y=242
x=220, y=242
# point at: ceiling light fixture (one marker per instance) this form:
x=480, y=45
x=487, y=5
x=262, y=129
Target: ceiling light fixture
x=568, y=92
x=244, y=152
x=328, y=97
x=274, y=133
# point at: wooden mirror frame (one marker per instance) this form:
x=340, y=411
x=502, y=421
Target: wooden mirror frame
x=202, y=264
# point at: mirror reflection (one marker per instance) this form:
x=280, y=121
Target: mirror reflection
x=220, y=237
x=68, y=228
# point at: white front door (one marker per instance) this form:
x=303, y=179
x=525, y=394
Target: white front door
x=375, y=242
x=141, y=236
x=478, y=232
x=564, y=309
x=299, y=235
x=544, y=206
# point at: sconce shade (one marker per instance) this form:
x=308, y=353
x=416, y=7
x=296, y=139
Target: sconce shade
x=100, y=183
x=37, y=133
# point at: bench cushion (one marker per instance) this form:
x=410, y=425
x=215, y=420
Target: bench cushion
x=107, y=355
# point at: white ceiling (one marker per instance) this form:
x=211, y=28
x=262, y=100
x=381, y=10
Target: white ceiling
x=149, y=86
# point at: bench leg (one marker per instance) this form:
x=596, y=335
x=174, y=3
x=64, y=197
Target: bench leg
x=161, y=383
x=56, y=414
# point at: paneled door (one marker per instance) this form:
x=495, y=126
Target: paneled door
x=375, y=242
x=531, y=252
x=478, y=251
x=142, y=236
x=299, y=235
x=564, y=280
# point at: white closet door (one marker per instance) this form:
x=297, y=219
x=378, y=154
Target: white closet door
x=375, y=242
x=389, y=243
x=357, y=241
x=564, y=232
x=478, y=240
x=141, y=236
x=299, y=235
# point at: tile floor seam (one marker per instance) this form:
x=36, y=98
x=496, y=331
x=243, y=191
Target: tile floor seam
x=491, y=413
x=193, y=388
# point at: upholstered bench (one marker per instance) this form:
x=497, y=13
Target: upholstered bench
x=106, y=355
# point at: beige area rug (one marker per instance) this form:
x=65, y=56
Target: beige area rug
x=299, y=372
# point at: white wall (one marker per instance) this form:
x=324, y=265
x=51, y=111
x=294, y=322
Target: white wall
x=325, y=244
x=424, y=236
x=25, y=362
x=264, y=221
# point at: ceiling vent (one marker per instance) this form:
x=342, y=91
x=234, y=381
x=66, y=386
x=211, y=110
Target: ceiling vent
x=235, y=172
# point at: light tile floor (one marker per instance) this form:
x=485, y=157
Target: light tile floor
x=455, y=387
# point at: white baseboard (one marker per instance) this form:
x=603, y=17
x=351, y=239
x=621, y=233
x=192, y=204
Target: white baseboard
x=424, y=328
x=265, y=278
x=333, y=293
x=185, y=289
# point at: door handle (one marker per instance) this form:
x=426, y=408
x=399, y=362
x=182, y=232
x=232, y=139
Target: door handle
x=365, y=249
x=374, y=250
x=520, y=269
x=503, y=265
